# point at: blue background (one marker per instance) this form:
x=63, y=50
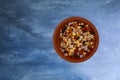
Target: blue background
x=26, y=50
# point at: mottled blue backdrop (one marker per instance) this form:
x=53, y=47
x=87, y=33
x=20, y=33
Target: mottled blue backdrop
x=26, y=50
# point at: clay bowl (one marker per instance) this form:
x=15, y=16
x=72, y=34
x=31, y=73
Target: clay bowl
x=56, y=39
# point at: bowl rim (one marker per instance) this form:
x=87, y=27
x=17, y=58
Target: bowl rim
x=58, y=27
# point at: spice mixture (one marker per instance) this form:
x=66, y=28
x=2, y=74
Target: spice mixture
x=77, y=39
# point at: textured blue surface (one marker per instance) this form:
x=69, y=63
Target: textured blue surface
x=26, y=50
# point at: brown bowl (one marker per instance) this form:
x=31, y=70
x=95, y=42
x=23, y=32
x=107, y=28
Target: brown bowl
x=56, y=39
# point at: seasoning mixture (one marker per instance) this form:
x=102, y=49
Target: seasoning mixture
x=77, y=39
